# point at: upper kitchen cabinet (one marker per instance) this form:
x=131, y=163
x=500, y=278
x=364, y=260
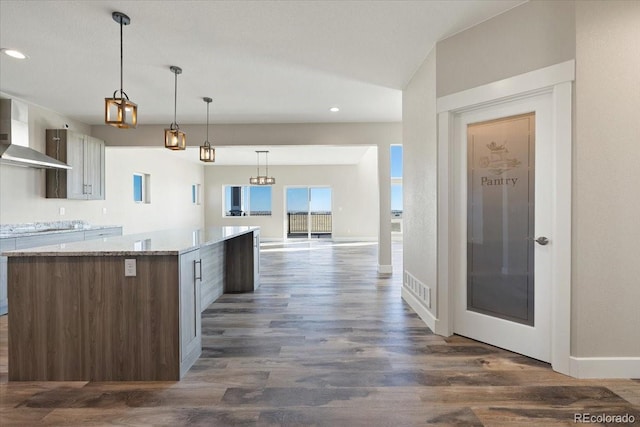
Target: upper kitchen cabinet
x=85, y=154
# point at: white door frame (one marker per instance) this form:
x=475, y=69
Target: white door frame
x=557, y=80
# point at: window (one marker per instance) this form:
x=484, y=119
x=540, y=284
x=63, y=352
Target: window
x=141, y=183
x=396, y=181
x=396, y=189
x=396, y=161
x=247, y=200
x=396, y=200
x=195, y=194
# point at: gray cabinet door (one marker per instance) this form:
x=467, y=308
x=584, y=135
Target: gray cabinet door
x=46, y=239
x=256, y=259
x=86, y=156
x=212, y=284
x=75, y=159
x=5, y=245
x=94, y=168
x=190, y=320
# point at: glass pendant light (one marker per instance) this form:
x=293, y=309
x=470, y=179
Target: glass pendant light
x=262, y=179
x=119, y=111
x=207, y=152
x=174, y=138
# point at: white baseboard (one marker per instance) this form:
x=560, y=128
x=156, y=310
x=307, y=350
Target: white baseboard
x=385, y=269
x=419, y=308
x=605, y=367
x=355, y=239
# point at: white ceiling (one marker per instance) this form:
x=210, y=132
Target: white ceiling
x=260, y=61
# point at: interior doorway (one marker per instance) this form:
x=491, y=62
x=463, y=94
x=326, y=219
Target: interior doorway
x=547, y=92
x=308, y=211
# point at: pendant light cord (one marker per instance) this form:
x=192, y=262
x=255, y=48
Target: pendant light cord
x=207, y=141
x=175, y=98
x=121, y=60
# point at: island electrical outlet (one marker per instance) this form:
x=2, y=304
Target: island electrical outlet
x=129, y=267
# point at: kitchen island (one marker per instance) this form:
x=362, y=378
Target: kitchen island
x=124, y=308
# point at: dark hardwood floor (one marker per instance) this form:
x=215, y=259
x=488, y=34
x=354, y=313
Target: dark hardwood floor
x=325, y=341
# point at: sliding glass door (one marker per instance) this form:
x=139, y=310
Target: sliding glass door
x=309, y=212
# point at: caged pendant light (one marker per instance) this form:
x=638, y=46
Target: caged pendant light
x=207, y=152
x=174, y=138
x=263, y=179
x=119, y=111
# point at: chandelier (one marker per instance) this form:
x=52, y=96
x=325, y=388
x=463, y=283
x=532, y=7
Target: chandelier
x=263, y=179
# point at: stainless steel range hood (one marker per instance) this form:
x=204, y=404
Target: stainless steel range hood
x=14, y=139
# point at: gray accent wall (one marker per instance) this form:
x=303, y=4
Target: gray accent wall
x=604, y=39
x=528, y=37
x=606, y=180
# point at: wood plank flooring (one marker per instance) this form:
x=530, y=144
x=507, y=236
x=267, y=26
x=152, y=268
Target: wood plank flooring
x=325, y=341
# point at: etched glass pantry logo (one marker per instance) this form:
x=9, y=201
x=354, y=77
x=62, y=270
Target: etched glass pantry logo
x=497, y=163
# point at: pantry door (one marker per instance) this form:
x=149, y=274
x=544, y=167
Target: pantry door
x=503, y=286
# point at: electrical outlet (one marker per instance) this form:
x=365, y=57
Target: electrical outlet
x=104, y=211
x=129, y=267
x=62, y=211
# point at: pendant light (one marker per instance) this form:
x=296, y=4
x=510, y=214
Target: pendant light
x=119, y=111
x=207, y=152
x=174, y=138
x=263, y=179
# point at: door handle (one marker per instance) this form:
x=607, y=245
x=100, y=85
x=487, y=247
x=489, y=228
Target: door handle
x=542, y=241
x=199, y=263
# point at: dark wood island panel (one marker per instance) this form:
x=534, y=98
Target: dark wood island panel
x=79, y=318
x=124, y=308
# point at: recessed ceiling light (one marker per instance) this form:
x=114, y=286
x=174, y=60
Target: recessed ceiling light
x=334, y=109
x=13, y=53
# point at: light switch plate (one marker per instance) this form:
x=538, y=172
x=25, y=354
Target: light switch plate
x=129, y=267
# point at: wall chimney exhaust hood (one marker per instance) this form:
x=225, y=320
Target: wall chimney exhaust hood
x=14, y=139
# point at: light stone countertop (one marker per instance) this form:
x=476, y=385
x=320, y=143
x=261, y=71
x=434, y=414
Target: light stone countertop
x=18, y=234
x=164, y=242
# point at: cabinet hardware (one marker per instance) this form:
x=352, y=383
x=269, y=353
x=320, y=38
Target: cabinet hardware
x=195, y=276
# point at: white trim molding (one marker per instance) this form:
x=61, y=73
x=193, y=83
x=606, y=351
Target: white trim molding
x=511, y=87
x=420, y=309
x=556, y=80
x=605, y=367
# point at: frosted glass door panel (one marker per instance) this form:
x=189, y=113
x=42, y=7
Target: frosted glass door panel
x=500, y=218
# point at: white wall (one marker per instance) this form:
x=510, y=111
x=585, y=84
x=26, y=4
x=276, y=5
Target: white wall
x=420, y=178
x=22, y=190
x=606, y=194
x=354, y=204
x=171, y=181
